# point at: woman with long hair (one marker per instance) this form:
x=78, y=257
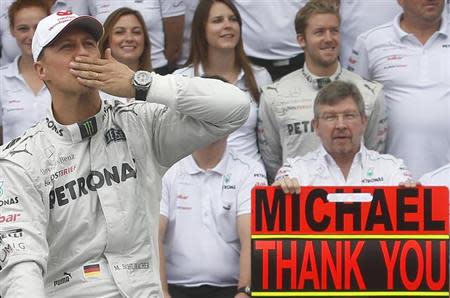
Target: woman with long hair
x=126, y=36
x=24, y=99
x=217, y=49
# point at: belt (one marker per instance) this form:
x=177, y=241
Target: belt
x=297, y=60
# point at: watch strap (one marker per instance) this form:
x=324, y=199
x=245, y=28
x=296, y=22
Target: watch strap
x=141, y=93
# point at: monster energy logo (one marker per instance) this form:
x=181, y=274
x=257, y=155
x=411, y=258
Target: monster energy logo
x=88, y=128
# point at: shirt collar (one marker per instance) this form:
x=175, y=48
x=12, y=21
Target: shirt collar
x=12, y=69
x=443, y=29
x=76, y=132
x=327, y=160
x=201, y=72
x=313, y=79
x=192, y=168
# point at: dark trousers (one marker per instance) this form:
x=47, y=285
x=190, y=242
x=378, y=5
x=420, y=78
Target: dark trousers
x=280, y=68
x=205, y=291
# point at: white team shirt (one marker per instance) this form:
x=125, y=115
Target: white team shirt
x=202, y=243
x=19, y=107
x=244, y=139
x=439, y=177
x=369, y=168
x=416, y=81
x=268, y=29
x=153, y=12
x=358, y=16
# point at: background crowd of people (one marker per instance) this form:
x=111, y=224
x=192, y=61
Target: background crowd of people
x=342, y=92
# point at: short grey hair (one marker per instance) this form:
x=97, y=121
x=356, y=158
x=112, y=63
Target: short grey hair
x=336, y=92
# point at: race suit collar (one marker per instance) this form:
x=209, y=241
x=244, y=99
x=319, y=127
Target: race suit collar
x=76, y=132
x=319, y=81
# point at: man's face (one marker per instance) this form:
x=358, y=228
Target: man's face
x=340, y=128
x=428, y=11
x=321, y=40
x=53, y=67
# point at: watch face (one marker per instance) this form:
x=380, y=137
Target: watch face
x=142, y=78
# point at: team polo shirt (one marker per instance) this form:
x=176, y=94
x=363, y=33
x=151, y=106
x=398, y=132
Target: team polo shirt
x=153, y=12
x=20, y=108
x=369, y=168
x=416, y=81
x=358, y=16
x=439, y=177
x=244, y=139
x=202, y=243
x=268, y=29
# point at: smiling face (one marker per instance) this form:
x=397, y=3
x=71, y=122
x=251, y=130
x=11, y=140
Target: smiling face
x=25, y=23
x=222, y=28
x=321, y=41
x=127, y=40
x=340, y=128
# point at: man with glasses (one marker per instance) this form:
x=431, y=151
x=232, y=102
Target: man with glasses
x=342, y=159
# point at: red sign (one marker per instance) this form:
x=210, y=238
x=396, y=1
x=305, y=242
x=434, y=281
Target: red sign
x=394, y=245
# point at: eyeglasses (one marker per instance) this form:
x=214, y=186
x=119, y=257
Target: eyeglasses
x=333, y=118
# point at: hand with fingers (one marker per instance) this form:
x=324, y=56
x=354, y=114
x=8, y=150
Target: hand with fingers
x=107, y=74
x=288, y=185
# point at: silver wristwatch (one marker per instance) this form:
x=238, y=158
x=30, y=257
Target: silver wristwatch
x=142, y=80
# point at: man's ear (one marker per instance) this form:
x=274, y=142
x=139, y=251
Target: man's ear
x=301, y=40
x=40, y=70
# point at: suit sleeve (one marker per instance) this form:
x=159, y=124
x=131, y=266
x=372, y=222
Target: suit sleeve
x=23, y=225
x=376, y=131
x=269, y=141
x=196, y=112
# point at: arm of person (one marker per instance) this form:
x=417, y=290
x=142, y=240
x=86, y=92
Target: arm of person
x=376, y=131
x=23, y=245
x=286, y=180
x=358, y=61
x=243, y=226
x=256, y=177
x=269, y=141
x=173, y=38
x=163, y=220
x=400, y=175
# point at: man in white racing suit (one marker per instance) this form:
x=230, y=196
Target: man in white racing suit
x=79, y=192
x=286, y=108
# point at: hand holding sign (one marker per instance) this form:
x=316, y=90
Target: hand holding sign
x=288, y=185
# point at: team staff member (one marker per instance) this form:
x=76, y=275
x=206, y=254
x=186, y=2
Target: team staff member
x=85, y=183
x=164, y=20
x=409, y=56
x=205, y=223
x=286, y=108
x=24, y=99
x=342, y=159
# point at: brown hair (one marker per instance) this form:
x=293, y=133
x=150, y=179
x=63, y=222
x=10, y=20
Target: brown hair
x=199, y=45
x=336, y=92
x=21, y=4
x=145, y=62
x=311, y=8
